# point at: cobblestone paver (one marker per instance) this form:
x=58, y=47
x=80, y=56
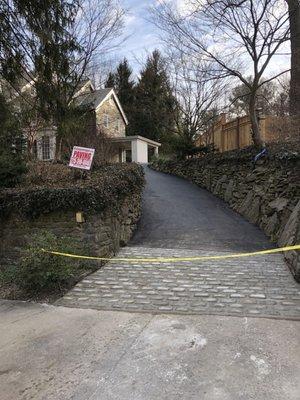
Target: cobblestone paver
x=254, y=286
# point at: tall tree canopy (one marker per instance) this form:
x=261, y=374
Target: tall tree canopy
x=40, y=47
x=272, y=99
x=53, y=43
x=237, y=35
x=155, y=103
x=124, y=86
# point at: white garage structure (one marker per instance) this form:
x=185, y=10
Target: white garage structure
x=136, y=148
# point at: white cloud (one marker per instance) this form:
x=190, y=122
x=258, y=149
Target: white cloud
x=129, y=19
x=184, y=7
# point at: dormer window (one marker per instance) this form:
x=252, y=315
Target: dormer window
x=106, y=121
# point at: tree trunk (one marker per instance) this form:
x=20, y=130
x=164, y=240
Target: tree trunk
x=256, y=136
x=294, y=16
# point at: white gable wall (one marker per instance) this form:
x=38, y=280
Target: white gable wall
x=139, y=151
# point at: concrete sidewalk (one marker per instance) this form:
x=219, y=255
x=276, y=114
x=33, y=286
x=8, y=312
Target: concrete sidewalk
x=54, y=353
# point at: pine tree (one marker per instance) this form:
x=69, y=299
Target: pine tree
x=111, y=81
x=53, y=52
x=155, y=103
x=41, y=40
x=124, y=86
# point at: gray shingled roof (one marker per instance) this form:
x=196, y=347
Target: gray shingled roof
x=92, y=99
x=82, y=83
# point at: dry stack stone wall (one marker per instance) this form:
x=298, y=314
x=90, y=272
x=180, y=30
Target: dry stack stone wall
x=102, y=214
x=266, y=193
x=103, y=233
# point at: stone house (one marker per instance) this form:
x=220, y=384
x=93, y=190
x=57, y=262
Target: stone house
x=109, y=118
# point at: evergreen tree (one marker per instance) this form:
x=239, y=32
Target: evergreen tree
x=55, y=43
x=111, y=81
x=294, y=16
x=12, y=165
x=54, y=51
x=155, y=104
x=124, y=86
x=39, y=38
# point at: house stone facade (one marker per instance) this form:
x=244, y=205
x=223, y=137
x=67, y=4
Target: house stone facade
x=107, y=117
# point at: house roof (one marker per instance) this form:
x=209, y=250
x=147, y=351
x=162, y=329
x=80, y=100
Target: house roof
x=96, y=98
x=23, y=82
x=82, y=85
x=92, y=99
x=137, y=137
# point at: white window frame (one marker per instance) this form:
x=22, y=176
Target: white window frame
x=46, y=148
x=106, y=121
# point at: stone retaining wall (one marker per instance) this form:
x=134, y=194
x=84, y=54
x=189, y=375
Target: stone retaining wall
x=267, y=194
x=102, y=233
x=101, y=215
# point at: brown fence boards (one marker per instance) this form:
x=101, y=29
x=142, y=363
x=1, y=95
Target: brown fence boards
x=236, y=134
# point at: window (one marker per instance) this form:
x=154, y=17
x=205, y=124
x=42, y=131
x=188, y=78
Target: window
x=118, y=125
x=46, y=148
x=106, y=121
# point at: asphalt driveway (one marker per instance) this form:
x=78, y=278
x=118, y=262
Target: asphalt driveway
x=179, y=214
x=193, y=333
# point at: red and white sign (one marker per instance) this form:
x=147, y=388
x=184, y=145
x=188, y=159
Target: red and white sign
x=82, y=157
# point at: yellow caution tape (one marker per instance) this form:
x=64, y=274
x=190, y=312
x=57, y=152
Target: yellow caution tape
x=177, y=259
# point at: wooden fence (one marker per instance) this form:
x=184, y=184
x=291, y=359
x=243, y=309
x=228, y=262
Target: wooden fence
x=236, y=134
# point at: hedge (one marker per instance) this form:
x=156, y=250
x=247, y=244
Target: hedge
x=105, y=186
x=277, y=152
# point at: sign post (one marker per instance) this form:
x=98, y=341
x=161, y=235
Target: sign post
x=82, y=158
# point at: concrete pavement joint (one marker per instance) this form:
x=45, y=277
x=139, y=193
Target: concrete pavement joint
x=183, y=313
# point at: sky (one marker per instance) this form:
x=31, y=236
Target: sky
x=143, y=36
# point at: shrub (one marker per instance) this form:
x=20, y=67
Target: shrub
x=183, y=148
x=12, y=168
x=102, y=188
x=41, y=272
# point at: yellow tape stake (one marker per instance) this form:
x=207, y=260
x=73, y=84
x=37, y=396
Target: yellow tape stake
x=177, y=259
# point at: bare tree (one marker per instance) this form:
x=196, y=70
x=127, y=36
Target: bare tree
x=272, y=98
x=98, y=30
x=240, y=37
x=196, y=93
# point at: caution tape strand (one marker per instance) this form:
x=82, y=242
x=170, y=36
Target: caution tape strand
x=177, y=259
